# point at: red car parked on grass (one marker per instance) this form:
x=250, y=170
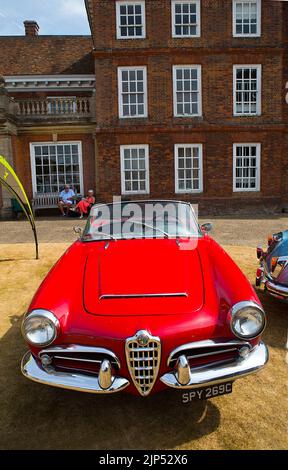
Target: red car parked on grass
x=152, y=302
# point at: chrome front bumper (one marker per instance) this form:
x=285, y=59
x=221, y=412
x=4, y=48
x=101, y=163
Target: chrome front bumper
x=209, y=375
x=281, y=292
x=73, y=381
x=183, y=377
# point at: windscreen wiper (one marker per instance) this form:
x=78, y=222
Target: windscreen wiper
x=149, y=226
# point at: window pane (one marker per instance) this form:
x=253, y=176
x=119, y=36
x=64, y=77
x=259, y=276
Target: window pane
x=132, y=87
x=138, y=21
x=125, y=75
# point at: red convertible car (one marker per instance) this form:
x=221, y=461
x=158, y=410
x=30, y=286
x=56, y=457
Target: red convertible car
x=142, y=301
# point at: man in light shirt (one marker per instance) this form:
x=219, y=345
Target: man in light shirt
x=66, y=199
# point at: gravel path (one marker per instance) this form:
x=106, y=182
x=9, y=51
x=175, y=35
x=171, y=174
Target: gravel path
x=228, y=231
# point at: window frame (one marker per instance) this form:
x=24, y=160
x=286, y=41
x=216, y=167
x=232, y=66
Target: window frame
x=258, y=67
x=199, y=80
x=49, y=144
x=176, y=168
x=198, y=19
x=259, y=15
x=122, y=169
x=258, y=168
x=145, y=92
x=143, y=14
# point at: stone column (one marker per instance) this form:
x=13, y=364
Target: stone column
x=7, y=129
x=6, y=151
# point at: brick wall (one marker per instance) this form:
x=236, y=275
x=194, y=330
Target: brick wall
x=217, y=167
x=216, y=26
x=285, y=107
x=217, y=89
x=216, y=51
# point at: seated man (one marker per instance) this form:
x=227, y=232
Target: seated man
x=66, y=199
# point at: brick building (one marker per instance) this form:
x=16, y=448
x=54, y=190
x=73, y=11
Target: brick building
x=166, y=99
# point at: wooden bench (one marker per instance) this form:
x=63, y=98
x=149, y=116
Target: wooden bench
x=45, y=201
x=48, y=201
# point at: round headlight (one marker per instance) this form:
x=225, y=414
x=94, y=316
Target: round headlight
x=247, y=320
x=40, y=327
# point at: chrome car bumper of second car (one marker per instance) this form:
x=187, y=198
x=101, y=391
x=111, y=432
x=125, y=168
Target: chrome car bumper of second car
x=182, y=377
x=276, y=290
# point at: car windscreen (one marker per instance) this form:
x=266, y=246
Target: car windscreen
x=128, y=220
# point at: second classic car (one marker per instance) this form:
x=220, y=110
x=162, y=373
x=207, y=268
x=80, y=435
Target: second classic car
x=152, y=302
x=273, y=271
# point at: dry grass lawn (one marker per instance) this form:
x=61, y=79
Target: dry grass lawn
x=33, y=416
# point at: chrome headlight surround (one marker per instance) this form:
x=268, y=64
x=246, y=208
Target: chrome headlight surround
x=45, y=319
x=249, y=310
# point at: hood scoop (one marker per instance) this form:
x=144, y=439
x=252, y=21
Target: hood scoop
x=140, y=296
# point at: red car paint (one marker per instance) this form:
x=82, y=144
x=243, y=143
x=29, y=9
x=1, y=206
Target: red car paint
x=206, y=272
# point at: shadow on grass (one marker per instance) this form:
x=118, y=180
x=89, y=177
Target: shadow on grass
x=8, y=260
x=275, y=334
x=34, y=416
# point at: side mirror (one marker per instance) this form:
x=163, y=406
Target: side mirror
x=206, y=228
x=78, y=231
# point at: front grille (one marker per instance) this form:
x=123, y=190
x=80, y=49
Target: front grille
x=81, y=359
x=143, y=355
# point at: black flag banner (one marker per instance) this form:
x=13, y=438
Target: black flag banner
x=11, y=182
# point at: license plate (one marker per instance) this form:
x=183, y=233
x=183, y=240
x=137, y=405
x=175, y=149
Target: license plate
x=207, y=392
